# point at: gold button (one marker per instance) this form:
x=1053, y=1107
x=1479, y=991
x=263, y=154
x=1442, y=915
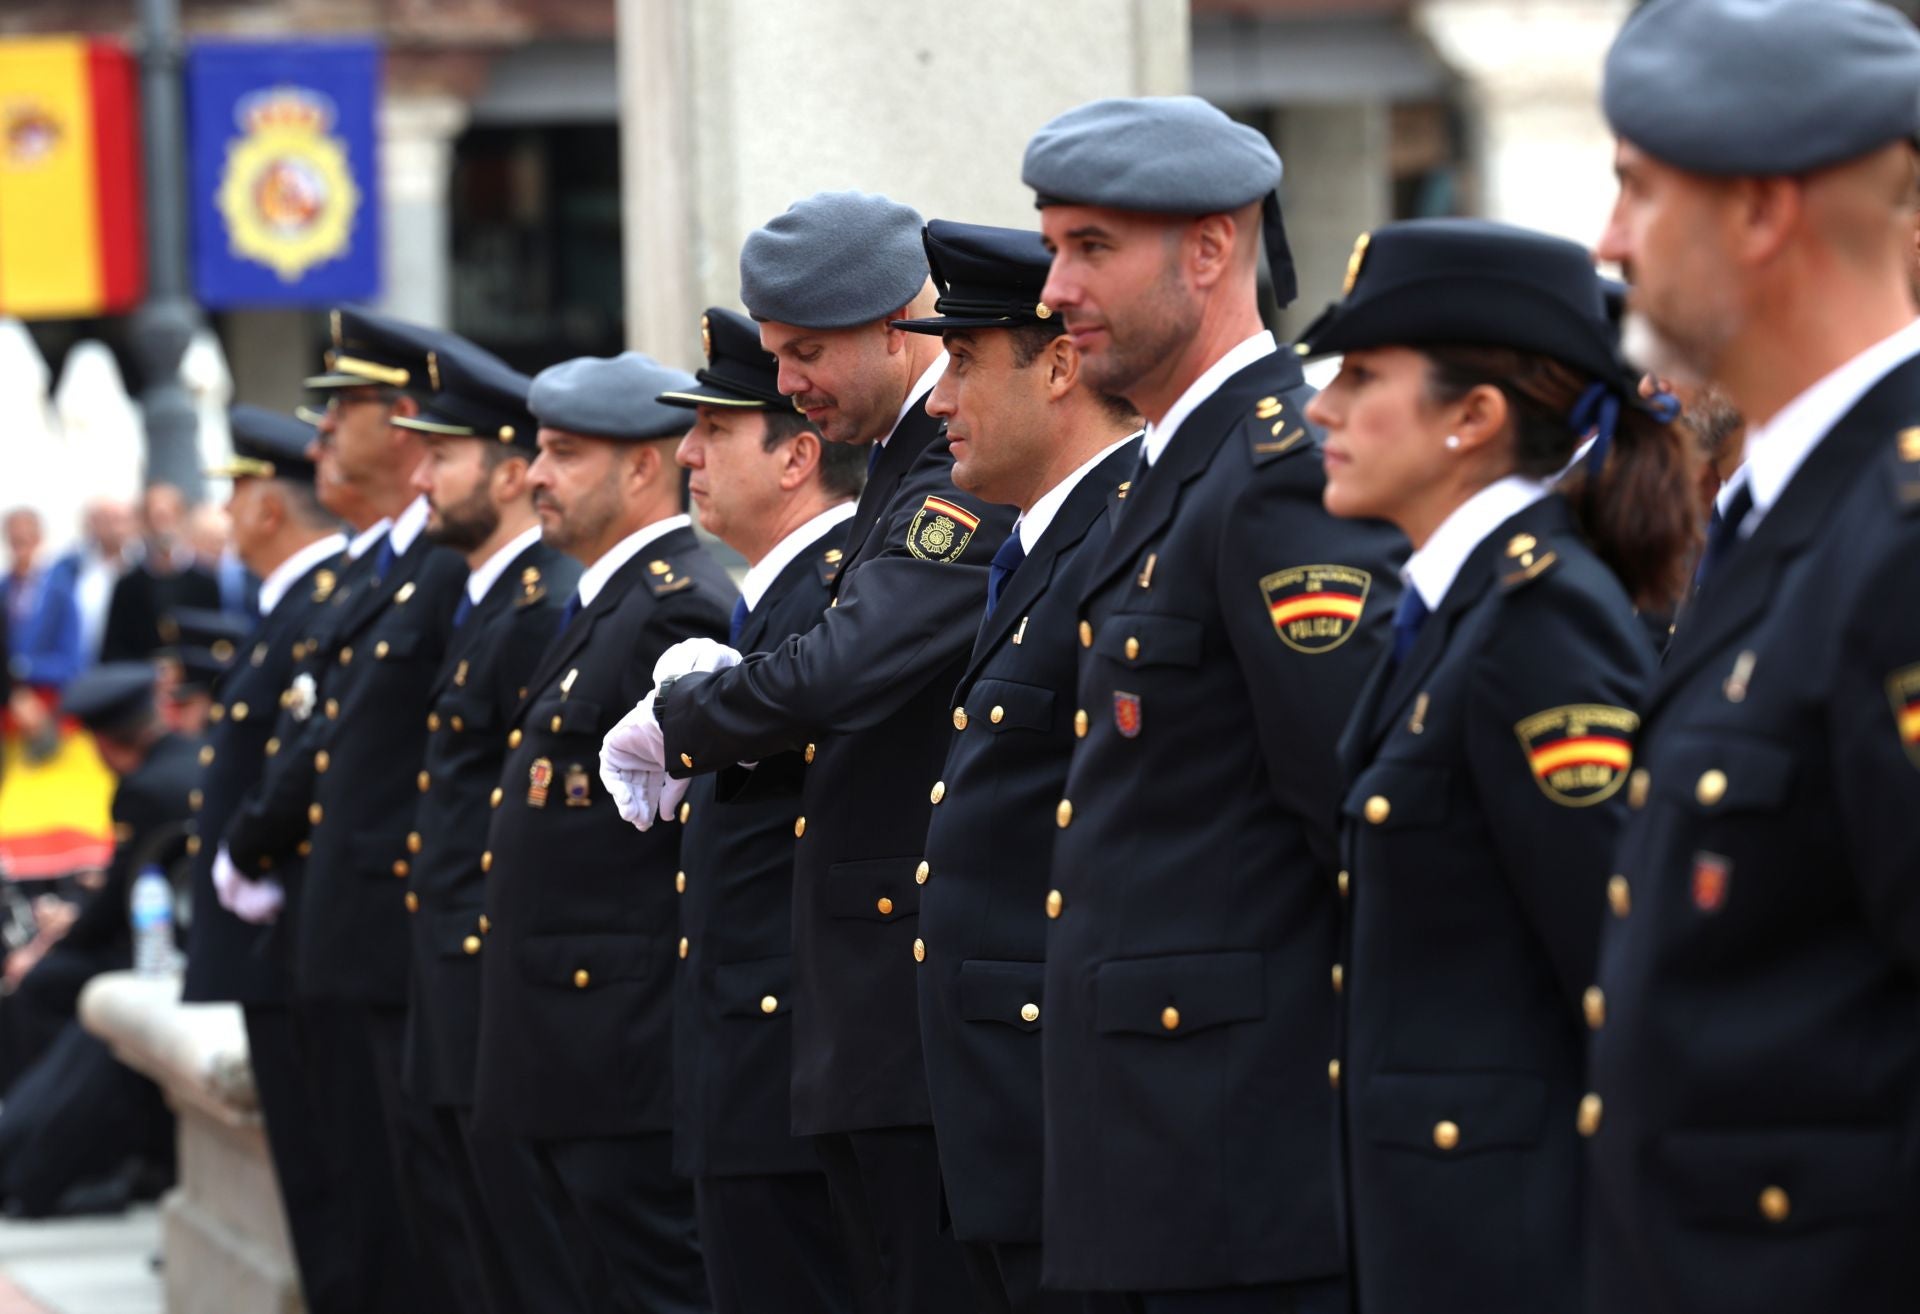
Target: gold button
x=921, y=873
x=684, y=946
x=1712, y=788
x=346, y=656
x=959, y=718
x=206, y=755
x=486, y=924
x=554, y=724
x=1029, y=1012
x=686, y=760
x=1589, y=1120
x=1594, y=1004
x=195, y=800
x=314, y=813
x=423, y=780
x=513, y=740
x=215, y=713
x=799, y=827
x=1638, y=784
x=769, y=1004
x=273, y=745
x=413, y=902
x=1774, y=1205
x=1080, y=724
x=433, y=720
x=679, y=882
x=493, y=799
x=1446, y=1135
x=1063, y=815
x=997, y=715
x=885, y=905
x=1339, y=978
x=1086, y=634
x=1133, y=647
x=686, y=810
x=471, y=944
x=193, y=844
x=1333, y=1073
x=486, y=861
x=581, y=978
x=239, y=712
x=939, y=791
x=919, y=951
x=413, y=841
x=322, y=760
x=458, y=725
x=400, y=867
x=1619, y=895
x=1055, y=902
x=1344, y=880
x=1378, y=808
x=1170, y=1018
x=333, y=709
x=809, y=753
x=380, y=650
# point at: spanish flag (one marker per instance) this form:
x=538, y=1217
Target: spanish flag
x=70, y=198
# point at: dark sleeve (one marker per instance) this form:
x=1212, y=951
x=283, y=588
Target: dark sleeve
x=1300, y=700
x=1559, y=662
x=271, y=818
x=900, y=621
x=691, y=615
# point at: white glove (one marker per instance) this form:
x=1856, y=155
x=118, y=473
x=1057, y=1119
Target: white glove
x=635, y=743
x=690, y=655
x=259, y=902
x=226, y=879
x=671, y=793
x=634, y=793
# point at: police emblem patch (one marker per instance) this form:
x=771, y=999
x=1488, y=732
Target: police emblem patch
x=1579, y=755
x=1711, y=873
x=941, y=530
x=1316, y=608
x=1126, y=714
x=539, y=781
x=287, y=192
x=1903, y=693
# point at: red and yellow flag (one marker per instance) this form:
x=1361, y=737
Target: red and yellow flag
x=70, y=199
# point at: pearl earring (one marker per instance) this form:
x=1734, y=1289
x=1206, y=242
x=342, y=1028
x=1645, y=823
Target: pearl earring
x=1453, y=442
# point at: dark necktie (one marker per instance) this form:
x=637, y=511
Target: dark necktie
x=383, y=559
x=464, y=610
x=738, y=623
x=1411, y=614
x=873, y=458
x=1723, y=534
x=568, y=612
x=1000, y=570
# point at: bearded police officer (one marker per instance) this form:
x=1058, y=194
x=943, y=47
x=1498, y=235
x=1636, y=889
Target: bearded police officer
x=1224, y=633
x=864, y=696
x=765, y=483
x=1754, y=1119
x=578, y=933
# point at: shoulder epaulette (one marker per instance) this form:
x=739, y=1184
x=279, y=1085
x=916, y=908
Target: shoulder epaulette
x=1906, y=470
x=531, y=587
x=830, y=565
x=664, y=577
x=323, y=582
x=1525, y=559
x=1275, y=428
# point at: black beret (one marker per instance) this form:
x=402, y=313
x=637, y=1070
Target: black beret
x=988, y=277
x=266, y=445
x=740, y=373
x=480, y=396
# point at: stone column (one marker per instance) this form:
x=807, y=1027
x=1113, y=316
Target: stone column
x=1337, y=186
x=416, y=169
x=1532, y=69
x=733, y=109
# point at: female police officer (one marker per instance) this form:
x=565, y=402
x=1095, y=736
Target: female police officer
x=1486, y=758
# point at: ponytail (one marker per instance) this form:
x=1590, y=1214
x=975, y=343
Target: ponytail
x=1632, y=495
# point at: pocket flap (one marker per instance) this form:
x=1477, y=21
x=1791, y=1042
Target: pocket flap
x=456, y=934
x=1136, y=639
x=1001, y=991
x=396, y=647
x=461, y=708
x=1729, y=774
x=565, y=716
x=1001, y=705
x=1453, y=1113
x=1179, y=994
x=1411, y=794
x=1782, y=1178
x=761, y=988
x=874, y=889
x=580, y=961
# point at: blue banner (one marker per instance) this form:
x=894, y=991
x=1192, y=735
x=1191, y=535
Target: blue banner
x=286, y=200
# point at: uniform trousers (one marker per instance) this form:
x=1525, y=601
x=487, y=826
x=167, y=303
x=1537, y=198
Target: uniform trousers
x=770, y=1245
x=1006, y=1280
x=885, y=1185
x=621, y=1194
x=73, y=1127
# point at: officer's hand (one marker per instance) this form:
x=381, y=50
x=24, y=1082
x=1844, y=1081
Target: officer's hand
x=226, y=879
x=635, y=743
x=691, y=655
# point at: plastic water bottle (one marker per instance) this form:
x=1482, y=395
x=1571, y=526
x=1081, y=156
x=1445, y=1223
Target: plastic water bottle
x=153, y=950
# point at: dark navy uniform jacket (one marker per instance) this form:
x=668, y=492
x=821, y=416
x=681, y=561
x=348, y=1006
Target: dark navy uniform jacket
x=582, y=937
x=482, y=678
x=988, y=868
x=864, y=694
x=153, y=796
x=1189, y=1013
x=733, y=995
x=1756, y=1085
x=228, y=959
x=1485, y=781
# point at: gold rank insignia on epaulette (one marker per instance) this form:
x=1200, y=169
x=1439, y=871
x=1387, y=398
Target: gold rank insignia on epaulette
x=663, y=579
x=1120, y=493
x=323, y=583
x=531, y=589
x=1278, y=431
x=1532, y=560
x=1906, y=477
x=830, y=565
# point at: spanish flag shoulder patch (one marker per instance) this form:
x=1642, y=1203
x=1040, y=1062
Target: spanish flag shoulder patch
x=1315, y=609
x=1580, y=754
x=941, y=530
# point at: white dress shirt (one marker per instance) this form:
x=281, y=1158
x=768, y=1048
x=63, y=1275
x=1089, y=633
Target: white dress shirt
x=761, y=574
x=1254, y=348
x=487, y=572
x=1435, y=566
x=408, y=524
x=283, y=576
x=595, y=577
x=357, y=546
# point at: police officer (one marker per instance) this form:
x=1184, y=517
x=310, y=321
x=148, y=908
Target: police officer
x=1755, y=1097
x=1028, y=432
x=1223, y=636
x=864, y=696
x=578, y=952
x=290, y=541
x=765, y=484
x=1484, y=764
x=480, y=442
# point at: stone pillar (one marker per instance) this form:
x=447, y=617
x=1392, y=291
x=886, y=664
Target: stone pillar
x=1337, y=186
x=1532, y=69
x=416, y=169
x=733, y=109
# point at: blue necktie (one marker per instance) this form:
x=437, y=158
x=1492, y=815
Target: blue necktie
x=1411, y=614
x=873, y=458
x=1005, y=562
x=383, y=559
x=568, y=612
x=464, y=610
x=1723, y=533
x=738, y=623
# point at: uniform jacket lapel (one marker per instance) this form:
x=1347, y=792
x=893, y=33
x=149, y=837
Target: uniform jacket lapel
x=575, y=636
x=502, y=594
x=916, y=431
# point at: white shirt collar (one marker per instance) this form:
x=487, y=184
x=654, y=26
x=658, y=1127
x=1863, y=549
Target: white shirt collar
x=1434, y=567
x=366, y=538
x=283, y=576
x=918, y=392
x=1254, y=348
x=489, y=571
x=408, y=524
x=761, y=574
x=595, y=577
x=1777, y=449
x=1040, y=515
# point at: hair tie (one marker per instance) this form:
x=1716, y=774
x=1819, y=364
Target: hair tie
x=1663, y=406
x=1598, y=413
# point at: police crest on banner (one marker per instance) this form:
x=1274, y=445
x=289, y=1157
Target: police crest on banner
x=287, y=191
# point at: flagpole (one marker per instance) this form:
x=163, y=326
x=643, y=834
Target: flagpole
x=165, y=323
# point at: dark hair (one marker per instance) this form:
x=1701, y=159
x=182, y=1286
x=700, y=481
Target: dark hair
x=843, y=468
x=1029, y=340
x=1640, y=514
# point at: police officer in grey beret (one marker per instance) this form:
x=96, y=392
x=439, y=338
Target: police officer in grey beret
x=1224, y=631
x=1755, y=1068
x=576, y=1044
x=863, y=695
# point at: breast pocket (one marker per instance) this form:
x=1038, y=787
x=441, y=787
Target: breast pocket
x=1178, y=995
x=1399, y=795
x=462, y=711
x=567, y=717
x=1008, y=705
x=1001, y=992
x=1792, y=1179
x=1725, y=773
x=1452, y=1114
x=760, y=988
x=873, y=890
x=1138, y=640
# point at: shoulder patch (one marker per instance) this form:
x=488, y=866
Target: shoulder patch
x=1579, y=754
x=941, y=530
x=1906, y=470
x=1903, y=693
x=664, y=577
x=1278, y=427
x=323, y=583
x=531, y=587
x=1315, y=609
x=1525, y=559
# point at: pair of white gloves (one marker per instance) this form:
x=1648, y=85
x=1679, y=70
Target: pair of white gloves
x=255, y=902
x=633, y=755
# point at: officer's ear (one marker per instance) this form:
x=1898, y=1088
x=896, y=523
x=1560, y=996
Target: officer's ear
x=1483, y=416
x=1207, y=248
x=800, y=460
x=1062, y=362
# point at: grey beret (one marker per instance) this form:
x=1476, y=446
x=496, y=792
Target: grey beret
x=1165, y=154
x=612, y=399
x=1763, y=87
x=834, y=260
